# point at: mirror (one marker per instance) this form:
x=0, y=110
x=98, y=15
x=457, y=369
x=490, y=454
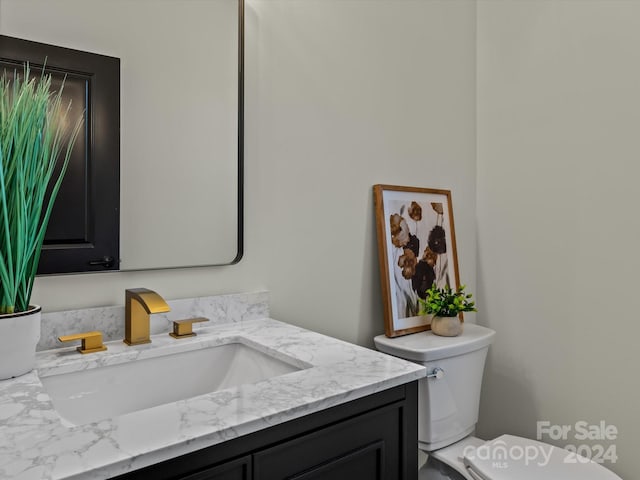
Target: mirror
x=181, y=117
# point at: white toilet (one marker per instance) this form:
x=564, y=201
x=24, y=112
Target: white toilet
x=448, y=402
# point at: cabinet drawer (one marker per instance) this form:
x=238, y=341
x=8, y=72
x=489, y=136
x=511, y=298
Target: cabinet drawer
x=239, y=469
x=366, y=447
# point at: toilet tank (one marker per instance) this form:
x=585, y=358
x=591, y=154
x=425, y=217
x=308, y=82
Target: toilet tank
x=447, y=404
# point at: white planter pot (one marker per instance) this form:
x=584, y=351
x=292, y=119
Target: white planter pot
x=446, y=326
x=19, y=335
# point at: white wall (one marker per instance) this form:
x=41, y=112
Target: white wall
x=558, y=229
x=340, y=95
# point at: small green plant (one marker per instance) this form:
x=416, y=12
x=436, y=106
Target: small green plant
x=34, y=137
x=445, y=302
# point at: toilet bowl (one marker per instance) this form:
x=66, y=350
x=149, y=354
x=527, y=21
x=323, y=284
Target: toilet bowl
x=448, y=402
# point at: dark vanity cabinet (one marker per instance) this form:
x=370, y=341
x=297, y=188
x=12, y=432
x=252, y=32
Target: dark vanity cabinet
x=372, y=438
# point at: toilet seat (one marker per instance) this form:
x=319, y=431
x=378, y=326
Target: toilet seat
x=516, y=458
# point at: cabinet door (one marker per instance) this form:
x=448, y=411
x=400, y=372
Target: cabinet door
x=235, y=470
x=366, y=447
x=84, y=228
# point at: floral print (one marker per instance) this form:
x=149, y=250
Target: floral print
x=415, y=211
x=430, y=257
x=417, y=269
x=423, y=279
x=437, y=241
x=407, y=262
x=399, y=231
x=414, y=245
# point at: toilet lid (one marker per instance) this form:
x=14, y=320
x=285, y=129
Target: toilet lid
x=515, y=458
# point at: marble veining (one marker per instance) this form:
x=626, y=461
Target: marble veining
x=35, y=443
x=110, y=320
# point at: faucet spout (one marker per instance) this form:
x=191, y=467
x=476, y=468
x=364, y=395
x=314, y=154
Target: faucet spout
x=139, y=303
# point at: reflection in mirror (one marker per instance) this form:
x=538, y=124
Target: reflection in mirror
x=181, y=117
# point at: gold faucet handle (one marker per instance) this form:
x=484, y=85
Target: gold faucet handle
x=184, y=328
x=91, y=341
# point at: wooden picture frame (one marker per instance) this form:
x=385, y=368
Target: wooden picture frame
x=416, y=248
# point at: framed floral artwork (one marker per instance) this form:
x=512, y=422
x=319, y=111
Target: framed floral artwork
x=416, y=248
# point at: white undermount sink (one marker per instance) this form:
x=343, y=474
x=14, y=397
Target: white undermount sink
x=109, y=391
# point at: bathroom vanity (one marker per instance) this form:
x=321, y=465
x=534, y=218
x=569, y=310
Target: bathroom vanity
x=366, y=438
x=329, y=410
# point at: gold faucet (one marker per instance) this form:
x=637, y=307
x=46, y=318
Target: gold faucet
x=139, y=303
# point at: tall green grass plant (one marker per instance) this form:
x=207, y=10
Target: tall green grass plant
x=35, y=135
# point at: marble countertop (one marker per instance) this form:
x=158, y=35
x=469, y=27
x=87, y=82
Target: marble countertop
x=36, y=443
